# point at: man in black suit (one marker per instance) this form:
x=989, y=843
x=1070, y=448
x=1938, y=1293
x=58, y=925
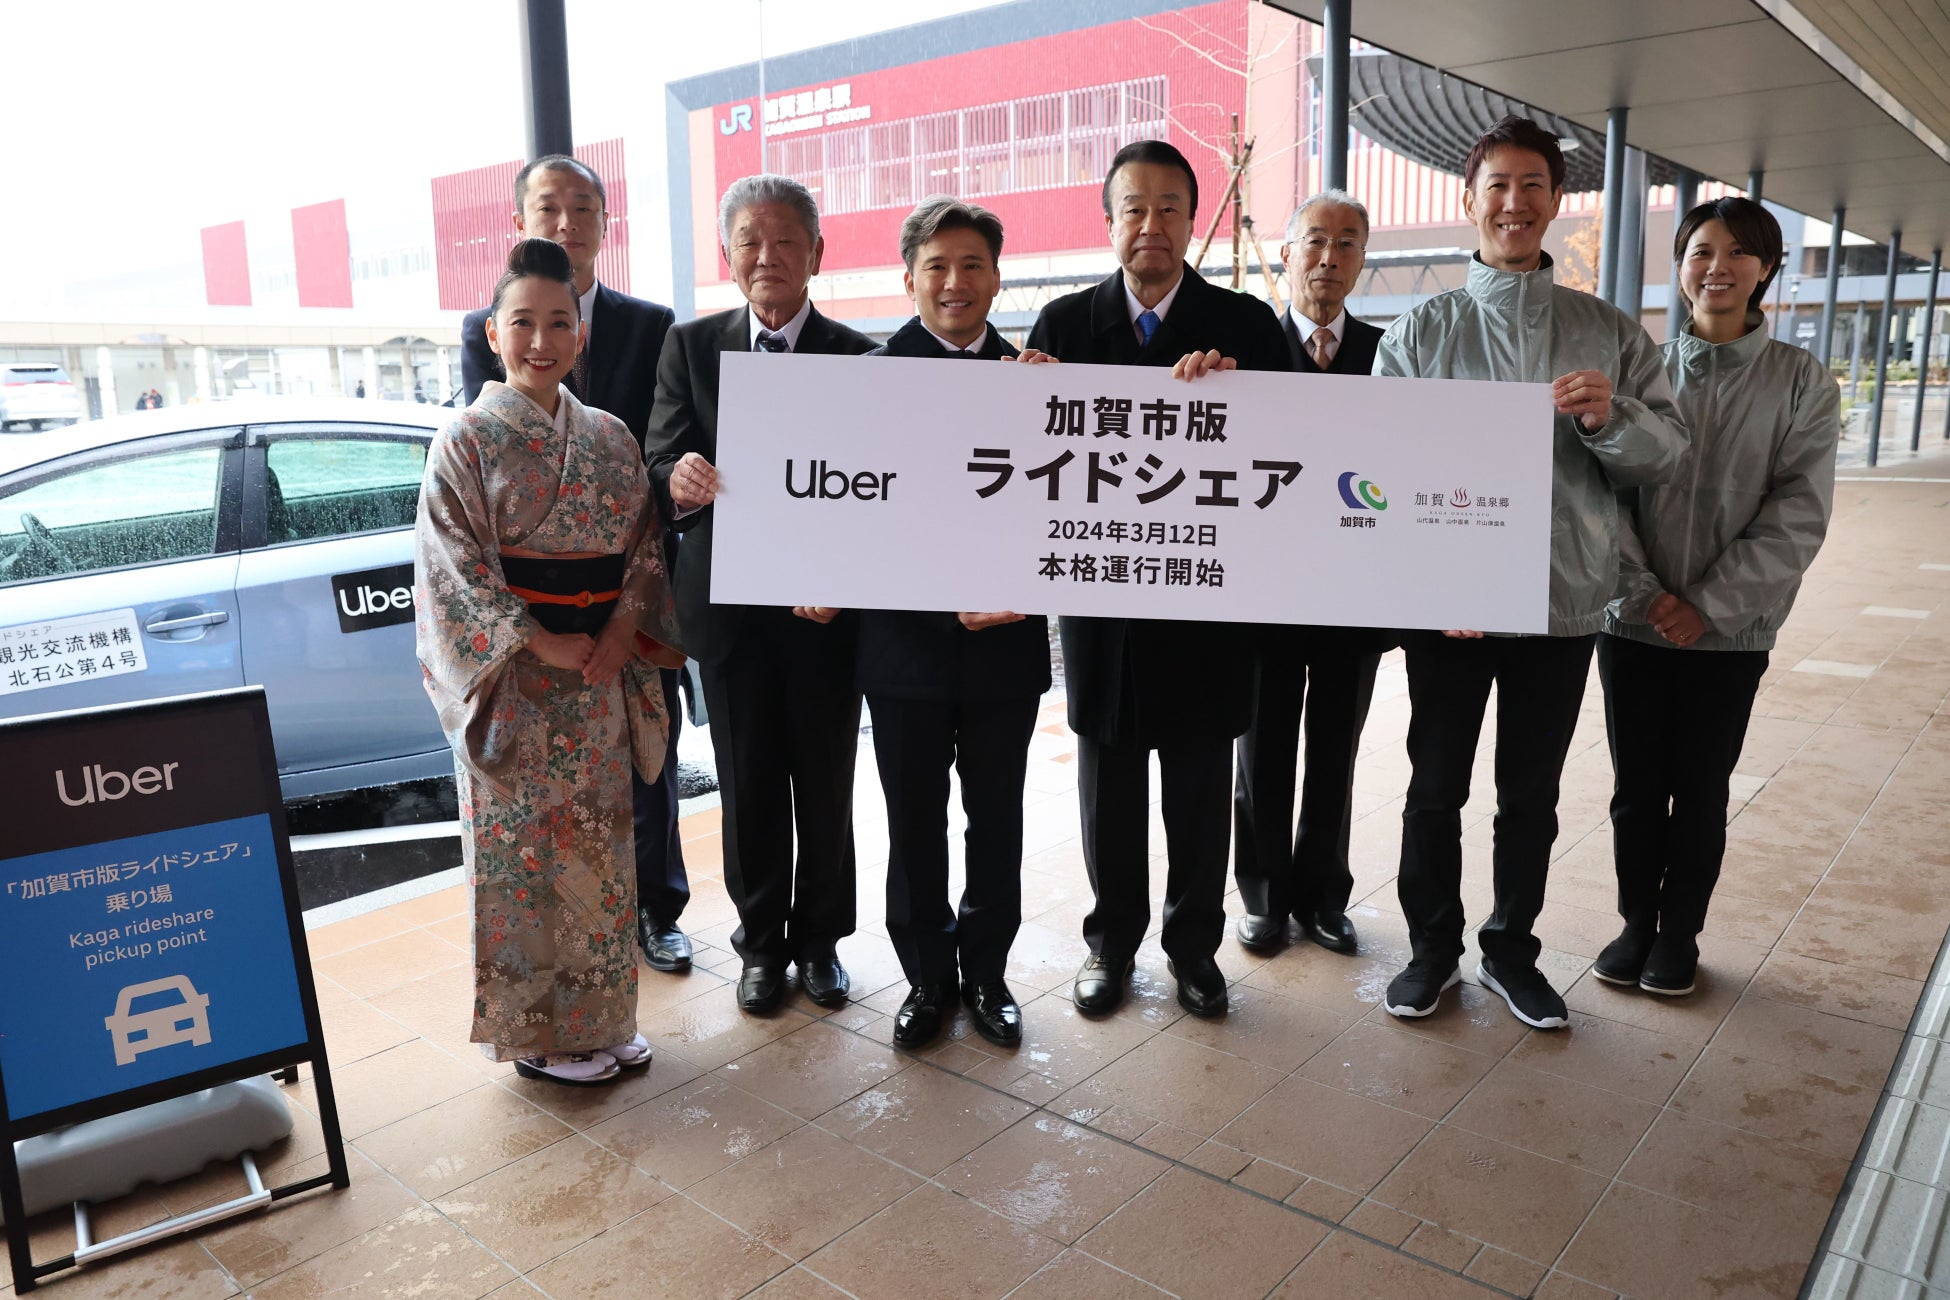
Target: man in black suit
x=562, y=199
x=953, y=691
x=1331, y=670
x=1135, y=685
x=778, y=683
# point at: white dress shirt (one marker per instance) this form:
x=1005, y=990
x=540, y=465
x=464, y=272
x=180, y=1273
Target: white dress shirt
x=1138, y=309
x=790, y=329
x=1305, y=329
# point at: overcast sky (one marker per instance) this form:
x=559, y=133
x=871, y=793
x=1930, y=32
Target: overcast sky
x=175, y=116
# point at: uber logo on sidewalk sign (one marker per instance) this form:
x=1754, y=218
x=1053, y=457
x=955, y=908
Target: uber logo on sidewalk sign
x=374, y=597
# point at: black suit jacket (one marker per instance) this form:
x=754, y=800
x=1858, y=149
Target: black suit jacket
x=684, y=418
x=911, y=655
x=1355, y=356
x=626, y=335
x=1159, y=681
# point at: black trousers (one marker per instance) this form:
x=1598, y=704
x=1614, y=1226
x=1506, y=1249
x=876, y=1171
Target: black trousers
x=1333, y=685
x=662, y=888
x=785, y=722
x=1114, y=791
x=1539, y=684
x=915, y=742
x=1676, y=719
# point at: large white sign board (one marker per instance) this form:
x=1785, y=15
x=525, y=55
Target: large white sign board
x=898, y=483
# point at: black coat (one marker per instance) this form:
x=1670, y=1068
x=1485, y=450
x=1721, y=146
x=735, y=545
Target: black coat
x=684, y=419
x=1159, y=682
x=1355, y=356
x=910, y=655
x=625, y=337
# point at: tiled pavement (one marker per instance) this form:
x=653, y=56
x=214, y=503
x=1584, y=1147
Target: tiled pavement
x=1308, y=1145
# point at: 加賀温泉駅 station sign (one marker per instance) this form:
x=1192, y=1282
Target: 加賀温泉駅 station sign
x=897, y=483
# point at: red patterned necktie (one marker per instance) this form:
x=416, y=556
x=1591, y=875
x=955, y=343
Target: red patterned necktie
x=1323, y=347
x=579, y=376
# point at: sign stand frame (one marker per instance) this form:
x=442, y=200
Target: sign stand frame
x=282, y=1062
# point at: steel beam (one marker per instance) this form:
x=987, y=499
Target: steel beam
x=1336, y=30
x=1827, y=335
x=1685, y=194
x=1884, y=328
x=1923, y=351
x=1614, y=199
x=545, y=79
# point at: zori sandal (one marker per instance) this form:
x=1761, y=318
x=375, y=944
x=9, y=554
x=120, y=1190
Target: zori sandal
x=576, y=1069
x=633, y=1054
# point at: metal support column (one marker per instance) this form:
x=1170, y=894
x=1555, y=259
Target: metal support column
x=1755, y=180
x=545, y=80
x=1614, y=199
x=1335, y=34
x=1631, y=236
x=1883, y=329
x=1923, y=351
x=1827, y=336
x=1685, y=194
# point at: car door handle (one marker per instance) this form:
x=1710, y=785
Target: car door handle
x=188, y=620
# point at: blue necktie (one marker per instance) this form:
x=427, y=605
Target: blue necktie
x=1147, y=323
x=771, y=341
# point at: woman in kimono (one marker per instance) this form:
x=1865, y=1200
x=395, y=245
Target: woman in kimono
x=1709, y=568
x=542, y=616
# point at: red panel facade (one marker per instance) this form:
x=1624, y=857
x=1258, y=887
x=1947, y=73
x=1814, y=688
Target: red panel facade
x=226, y=266
x=323, y=253
x=1025, y=129
x=473, y=226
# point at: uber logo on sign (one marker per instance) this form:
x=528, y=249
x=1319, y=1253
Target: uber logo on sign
x=373, y=598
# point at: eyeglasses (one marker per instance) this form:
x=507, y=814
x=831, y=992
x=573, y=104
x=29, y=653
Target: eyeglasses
x=1320, y=243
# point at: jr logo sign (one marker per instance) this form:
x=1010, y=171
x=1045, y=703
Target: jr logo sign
x=740, y=120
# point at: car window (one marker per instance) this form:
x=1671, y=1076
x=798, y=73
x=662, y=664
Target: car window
x=330, y=487
x=141, y=510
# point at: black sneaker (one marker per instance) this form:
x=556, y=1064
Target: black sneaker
x=1530, y=996
x=1672, y=967
x=1624, y=957
x=1416, y=990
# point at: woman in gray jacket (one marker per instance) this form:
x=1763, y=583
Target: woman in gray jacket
x=1711, y=562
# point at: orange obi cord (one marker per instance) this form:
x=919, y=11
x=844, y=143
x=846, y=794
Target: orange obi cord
x=584, y=599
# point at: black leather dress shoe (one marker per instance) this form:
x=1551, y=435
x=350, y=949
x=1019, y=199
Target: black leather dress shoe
x=919, y=1019
x=1201, y=986
x=761, y=989
x=992, y=1007
x=665, y=947
x=1099, y=984
x=824, y=980
x=1330, y=929
x=1262, y=933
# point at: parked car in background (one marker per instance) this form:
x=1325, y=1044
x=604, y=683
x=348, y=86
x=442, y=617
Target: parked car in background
x=36, y=393
x=263, y=542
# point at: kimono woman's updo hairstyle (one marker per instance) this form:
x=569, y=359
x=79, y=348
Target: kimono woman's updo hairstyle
x=543, y=259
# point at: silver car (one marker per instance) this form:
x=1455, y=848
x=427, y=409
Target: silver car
x=200, y=547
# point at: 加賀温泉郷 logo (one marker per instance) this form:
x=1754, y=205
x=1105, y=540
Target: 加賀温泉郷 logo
x=1362, y=494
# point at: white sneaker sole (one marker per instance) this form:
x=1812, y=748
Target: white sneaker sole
x=1546, y=1022
x=1667, y=993
x=1415, y=1013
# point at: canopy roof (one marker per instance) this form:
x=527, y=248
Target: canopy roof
x=1838, y=102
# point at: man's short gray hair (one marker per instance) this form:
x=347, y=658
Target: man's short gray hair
x=1296, y=224
x=750, y=191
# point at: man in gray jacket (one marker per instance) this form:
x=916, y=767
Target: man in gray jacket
x=1616, y=427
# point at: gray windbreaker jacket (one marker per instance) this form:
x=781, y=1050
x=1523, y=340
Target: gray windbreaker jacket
x=1740, y=523
x=1523, y=328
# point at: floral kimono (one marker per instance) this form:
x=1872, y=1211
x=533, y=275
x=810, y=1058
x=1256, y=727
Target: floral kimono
x=541, y=759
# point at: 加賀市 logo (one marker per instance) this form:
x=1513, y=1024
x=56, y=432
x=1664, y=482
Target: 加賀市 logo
x=1362, y=494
